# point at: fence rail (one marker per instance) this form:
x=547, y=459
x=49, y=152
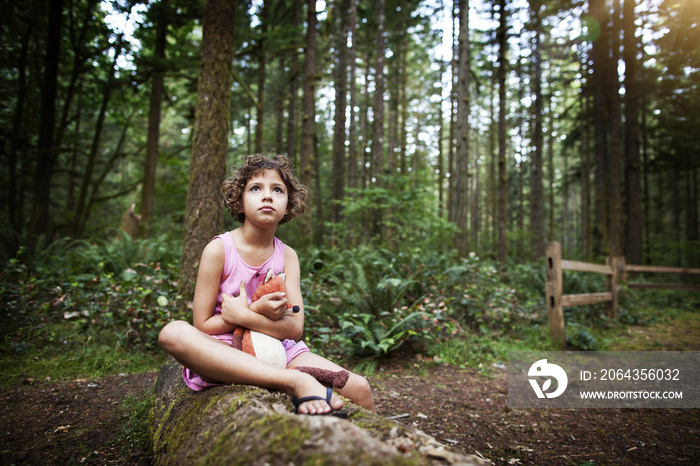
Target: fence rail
x=615, y=270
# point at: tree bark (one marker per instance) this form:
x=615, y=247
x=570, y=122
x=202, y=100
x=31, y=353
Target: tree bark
x=14, y=194
x=262, y=70
x=204, y=211
x=633, y=178
x=536, y=185
x=612, y=92
x=453, y=111
x=460, y=200
x=586, y=231
x=340, y=123
x=46, y=152
x=599, y=62
x=153, y=137
x=379, y=84
x=378, y=162
x=501, y=38
x=352, y=133
x=238, y=424
x=308, y=109
x=293, y=78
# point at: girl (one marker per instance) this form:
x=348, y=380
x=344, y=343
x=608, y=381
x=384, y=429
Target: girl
x=262, y=194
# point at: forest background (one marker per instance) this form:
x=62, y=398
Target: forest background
x=444, y=143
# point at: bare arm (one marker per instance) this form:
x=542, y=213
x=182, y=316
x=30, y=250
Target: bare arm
x=206, y=291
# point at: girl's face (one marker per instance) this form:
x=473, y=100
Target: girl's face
x=265, y=198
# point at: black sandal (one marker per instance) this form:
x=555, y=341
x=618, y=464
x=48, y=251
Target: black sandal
x=329, y=394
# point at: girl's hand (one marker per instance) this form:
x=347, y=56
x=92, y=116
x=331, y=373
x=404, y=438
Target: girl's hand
x=272, y=305
x=235, y=308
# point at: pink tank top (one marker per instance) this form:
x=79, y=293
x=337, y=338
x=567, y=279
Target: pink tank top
x=235, y=270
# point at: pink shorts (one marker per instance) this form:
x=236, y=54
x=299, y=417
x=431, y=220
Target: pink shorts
x=196, y=383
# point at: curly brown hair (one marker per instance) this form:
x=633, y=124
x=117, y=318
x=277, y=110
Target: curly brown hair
x=254, y=165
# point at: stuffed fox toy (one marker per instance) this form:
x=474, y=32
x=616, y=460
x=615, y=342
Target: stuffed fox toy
x=258, y=344
x=270, y=349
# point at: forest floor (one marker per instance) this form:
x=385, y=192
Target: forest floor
x=81, y=421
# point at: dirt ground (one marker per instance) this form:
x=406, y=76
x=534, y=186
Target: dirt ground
x=79, y=422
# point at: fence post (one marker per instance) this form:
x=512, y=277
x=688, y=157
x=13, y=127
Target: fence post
x=554, y=287
x=611, y=283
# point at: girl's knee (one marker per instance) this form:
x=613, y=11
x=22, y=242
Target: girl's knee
x=172, y=333
x=360, y=391
x=360, y=386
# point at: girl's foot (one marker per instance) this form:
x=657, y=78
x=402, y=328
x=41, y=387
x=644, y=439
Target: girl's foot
x=310, y=397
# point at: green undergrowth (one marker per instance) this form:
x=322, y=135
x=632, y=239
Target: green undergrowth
x=86, y=309
x=58, y=351
x=90, y=309
x=647, y=320
x=134, y=433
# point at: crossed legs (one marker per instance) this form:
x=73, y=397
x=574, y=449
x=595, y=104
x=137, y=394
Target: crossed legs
x=214, y=360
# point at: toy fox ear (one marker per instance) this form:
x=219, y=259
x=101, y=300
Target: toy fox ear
x=269, y=276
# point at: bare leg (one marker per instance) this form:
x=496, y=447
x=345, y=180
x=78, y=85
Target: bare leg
x=215, y=360
x=357, y=388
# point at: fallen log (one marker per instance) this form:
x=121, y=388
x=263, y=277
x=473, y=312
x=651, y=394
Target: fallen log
x=238, y=424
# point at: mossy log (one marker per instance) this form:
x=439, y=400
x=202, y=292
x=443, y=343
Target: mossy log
x=238, y=424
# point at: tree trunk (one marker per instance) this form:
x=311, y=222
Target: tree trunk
x=493, y=205
x=365, y=164
x=460, y=199
x=536, y=185
x=308, y=109
x=501, y=38
x=453, y=111
x=152, y=140
x=17, y=131
x=475, y=203
x=292, y=105
x=615, y=211
x=379, y=83
x=392, y=130
x=352, y=134
x=378, y=110
x=403, y=102
x=440, y=172
x=633, y=178
x=262, y=70
x=46, y=152
x=691, y=223
x=279, y=111
x=586, y=231
x=239, y=424
x=599, y=51
x=204, y=211
x=340, y=124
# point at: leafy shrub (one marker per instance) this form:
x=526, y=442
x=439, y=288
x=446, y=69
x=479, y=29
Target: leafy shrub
x=483, y=301
x=580, y=338
x=370, y=301
x=367, y=301
x=125, y=287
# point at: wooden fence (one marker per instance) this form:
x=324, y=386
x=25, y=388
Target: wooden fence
x=615, y=271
